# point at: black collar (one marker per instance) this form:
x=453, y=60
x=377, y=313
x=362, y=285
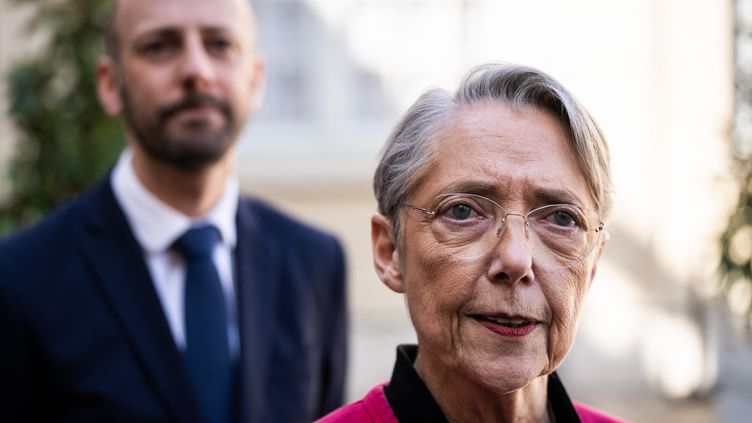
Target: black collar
x=411, y=401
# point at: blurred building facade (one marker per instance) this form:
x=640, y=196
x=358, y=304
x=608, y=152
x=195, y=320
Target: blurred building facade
x=656, y=74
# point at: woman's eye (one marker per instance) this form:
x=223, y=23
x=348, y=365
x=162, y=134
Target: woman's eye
x=460, y=211
x=563, y=218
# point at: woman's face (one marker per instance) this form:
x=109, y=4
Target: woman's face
x=507, y=317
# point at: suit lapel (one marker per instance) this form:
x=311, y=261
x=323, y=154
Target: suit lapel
x=256, y=270
x=116, y=257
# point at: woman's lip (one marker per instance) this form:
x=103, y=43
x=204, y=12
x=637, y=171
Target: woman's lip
x=515, y=332
x=503, y=316
x=510, y=325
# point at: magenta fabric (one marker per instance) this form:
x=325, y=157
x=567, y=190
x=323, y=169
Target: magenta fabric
x=591, y=415
x=374, y=408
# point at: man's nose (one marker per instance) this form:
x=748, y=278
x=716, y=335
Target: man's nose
x=196, y=67
x=513, y=259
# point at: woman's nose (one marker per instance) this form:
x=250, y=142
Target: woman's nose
x=512, y=257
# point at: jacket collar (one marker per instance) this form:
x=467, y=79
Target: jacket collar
x=117, y=261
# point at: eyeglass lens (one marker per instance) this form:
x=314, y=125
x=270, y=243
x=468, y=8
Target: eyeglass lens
x=471, y=225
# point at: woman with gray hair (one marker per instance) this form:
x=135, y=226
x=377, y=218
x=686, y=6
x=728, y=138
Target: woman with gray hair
x=491, y=209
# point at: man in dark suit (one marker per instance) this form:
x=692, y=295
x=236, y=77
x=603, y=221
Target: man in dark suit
x=162, y=294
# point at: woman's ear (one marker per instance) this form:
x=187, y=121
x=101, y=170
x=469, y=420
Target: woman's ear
x=385, y=255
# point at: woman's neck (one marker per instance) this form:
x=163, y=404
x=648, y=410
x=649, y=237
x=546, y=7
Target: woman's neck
x=463, y=401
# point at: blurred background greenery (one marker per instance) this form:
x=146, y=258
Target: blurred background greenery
x=65, y=141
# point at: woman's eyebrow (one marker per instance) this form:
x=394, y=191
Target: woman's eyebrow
x=554, y=196
x=501, y=191
x=477, y=187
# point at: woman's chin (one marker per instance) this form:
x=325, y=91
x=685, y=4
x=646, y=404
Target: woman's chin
x=502, y=375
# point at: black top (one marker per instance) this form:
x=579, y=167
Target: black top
x=411, y=401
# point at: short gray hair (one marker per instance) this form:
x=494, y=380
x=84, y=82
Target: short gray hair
x=409, y=147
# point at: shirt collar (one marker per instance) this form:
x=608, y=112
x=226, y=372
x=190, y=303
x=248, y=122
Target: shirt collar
x=155, y=224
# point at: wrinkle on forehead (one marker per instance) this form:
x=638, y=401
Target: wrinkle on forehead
x=514, y=137
x=503, y=190
x=507, y=144
x=508, y=153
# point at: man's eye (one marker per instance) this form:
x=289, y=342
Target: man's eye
x=218, y=45
x=156, y=48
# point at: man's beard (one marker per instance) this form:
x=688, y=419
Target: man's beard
x=191, y=150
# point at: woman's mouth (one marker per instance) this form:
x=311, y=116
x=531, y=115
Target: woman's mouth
x=513, y=326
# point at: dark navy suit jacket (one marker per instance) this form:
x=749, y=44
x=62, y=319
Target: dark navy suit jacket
x=83, y=336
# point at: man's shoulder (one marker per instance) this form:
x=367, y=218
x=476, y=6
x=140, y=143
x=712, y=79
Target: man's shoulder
x=57, y=224
x=275, y=223
x=53, y=232
x=287, y=246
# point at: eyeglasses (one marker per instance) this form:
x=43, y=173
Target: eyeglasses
x=471, y=225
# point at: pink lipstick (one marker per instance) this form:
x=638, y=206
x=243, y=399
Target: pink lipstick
x=507, y=326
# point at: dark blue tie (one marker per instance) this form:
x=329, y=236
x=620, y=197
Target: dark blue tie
x=207, y=355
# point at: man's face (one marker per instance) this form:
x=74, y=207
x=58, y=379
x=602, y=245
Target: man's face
x=187, y=77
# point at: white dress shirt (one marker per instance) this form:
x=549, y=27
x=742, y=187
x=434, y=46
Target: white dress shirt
x=156, y=226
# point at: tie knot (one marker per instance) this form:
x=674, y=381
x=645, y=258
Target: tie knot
x=198, y=243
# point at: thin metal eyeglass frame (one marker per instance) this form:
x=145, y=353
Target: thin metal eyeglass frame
x=431, y=214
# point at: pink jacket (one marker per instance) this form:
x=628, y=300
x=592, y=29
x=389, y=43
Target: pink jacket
x=374, y=408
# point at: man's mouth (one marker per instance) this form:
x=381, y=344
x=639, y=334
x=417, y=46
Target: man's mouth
x=197, y=112
x=196, y=105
